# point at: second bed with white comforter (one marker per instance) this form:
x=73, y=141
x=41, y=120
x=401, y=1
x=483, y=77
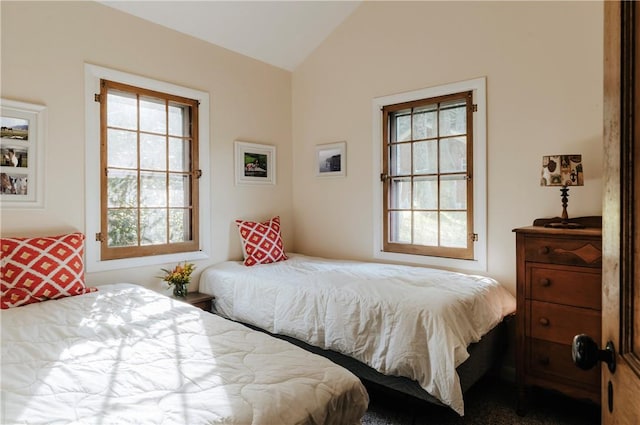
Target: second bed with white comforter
x=406, y=321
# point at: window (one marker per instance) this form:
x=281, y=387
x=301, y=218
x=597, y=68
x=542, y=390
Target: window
x=431, y=187
x=146, y=151
x=428, y=195
x=149, y=192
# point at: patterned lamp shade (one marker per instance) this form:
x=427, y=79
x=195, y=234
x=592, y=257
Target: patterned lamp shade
x=562, y=170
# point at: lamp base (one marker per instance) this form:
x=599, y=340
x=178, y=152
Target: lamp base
x=565, y=225
x=564, y=222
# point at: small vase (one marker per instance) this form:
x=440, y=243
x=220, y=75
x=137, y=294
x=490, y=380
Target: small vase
x=180, y=289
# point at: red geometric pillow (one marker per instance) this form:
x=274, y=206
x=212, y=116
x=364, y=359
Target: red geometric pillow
x=40, y=269
x=261, y=242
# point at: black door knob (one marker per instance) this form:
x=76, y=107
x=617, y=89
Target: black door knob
x=586, y=354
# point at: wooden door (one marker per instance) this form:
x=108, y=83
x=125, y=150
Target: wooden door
x=621, y=233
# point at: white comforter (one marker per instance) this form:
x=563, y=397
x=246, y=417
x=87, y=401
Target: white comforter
x=127, y=355
x=407, y=321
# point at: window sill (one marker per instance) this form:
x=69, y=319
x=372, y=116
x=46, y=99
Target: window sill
x=476, y=265
x=95, y=265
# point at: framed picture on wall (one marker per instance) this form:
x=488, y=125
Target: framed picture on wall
x=255, y=163
x=331, y=159
x=21, y=154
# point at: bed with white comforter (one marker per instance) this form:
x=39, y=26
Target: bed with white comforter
x=413, y=322
x=127, y=355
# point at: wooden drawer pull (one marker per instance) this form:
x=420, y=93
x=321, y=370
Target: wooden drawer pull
x=545, y=281
x=543, y=250
x=544, y=321
x=544, y=361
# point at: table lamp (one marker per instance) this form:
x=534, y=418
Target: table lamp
x=563, y=171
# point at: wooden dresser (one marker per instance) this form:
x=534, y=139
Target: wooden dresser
x=558, y=296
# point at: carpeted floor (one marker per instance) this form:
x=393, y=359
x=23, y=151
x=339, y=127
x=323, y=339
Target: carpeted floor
x=489, y=402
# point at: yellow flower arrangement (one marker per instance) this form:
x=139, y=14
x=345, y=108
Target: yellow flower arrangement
x=179, y=277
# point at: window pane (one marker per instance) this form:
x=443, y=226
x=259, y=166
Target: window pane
x=425, y=123
x=453, y=118
x=425, y=193
x=122, y=110
x=178, y=190
x=150, y=146
x=400, y=159
x=122, y=189
x=179, y=120
x=400, y=193
x=453, y=155
x=425, y=157
x=153, y=152
x=153, y=189
x=153, y=116
x=400, y=226
x=453, y=192
x=179, y=220
x=426, y=228
x=428, y=154
x=122, y=228
x=153, y=226
x=179, y=154
x=453, y=229
x=122, y=149
x=402, y=125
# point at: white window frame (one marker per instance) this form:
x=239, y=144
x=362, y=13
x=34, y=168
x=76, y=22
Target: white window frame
x=479, y=262
x=93, y=263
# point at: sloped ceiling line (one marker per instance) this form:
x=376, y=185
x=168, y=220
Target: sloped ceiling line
x=280, y=33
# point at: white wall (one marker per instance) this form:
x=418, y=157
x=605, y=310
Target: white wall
x=44, y=48
x=543, y=64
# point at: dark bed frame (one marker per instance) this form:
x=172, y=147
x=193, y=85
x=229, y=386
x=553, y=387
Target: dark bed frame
x=484, y=356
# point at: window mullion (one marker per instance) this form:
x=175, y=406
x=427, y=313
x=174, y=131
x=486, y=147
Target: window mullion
x=138, y=173
x=411, y=180
x=167, y=175
x=438, y=211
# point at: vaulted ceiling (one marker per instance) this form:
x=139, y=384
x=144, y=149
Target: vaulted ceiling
x=280, y=33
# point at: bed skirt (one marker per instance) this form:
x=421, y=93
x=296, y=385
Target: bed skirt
x=484, y=356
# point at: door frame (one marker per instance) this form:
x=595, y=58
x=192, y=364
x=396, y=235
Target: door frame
x=620, y=236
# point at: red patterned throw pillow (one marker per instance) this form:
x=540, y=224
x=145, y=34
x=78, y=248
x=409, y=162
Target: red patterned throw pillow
x=261, y=242
x=41, y=268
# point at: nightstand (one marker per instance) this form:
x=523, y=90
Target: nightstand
x=559, y=274
x=202, y=301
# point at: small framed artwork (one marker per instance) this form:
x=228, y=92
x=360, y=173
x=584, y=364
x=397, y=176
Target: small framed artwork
x=331, y=159
x=255, y=163
x=21, y=154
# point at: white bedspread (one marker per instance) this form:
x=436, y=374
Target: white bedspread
x=401, y=320
x=127, y=355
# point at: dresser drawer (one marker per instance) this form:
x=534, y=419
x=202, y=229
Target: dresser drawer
x=560, y=323
x=579, y=252
x=548, y=358
x=576, y=286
